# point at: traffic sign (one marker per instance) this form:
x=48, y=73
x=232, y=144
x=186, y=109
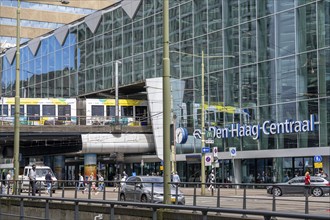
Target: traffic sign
x=318, y=165
x=215, y=152
x=208, y=159
x=206, y=150
x=232, y=151
x=317, y=158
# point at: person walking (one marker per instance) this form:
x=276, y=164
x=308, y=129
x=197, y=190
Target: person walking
x=307, y=183
x=176, y=179
x=211, y=180
x=32, y=177
x=81, y=182
x=8, y=182
x=89, y=183
x=101, y=183
x=49, y=181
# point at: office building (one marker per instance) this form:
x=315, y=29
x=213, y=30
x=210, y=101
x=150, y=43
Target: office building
x=40, y=17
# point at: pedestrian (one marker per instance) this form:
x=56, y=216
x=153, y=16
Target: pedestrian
x=81, y=182
x=116, y=185
x=211, y=180
x=32, y=178
x=123, y=179
x=8, y=180
x=307, y=182
x=49, y=181
x=176, y=179
x=89, y=182
x=125, y=175
x=101, y=183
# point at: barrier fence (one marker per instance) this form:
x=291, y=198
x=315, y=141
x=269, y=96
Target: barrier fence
x=243, y=199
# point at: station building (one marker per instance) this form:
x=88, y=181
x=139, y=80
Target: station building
x=266, y=82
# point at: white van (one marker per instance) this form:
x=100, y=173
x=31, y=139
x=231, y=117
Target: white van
x=41, y=171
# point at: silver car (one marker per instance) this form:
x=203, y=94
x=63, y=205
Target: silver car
x=319, y=186
x=148, y=189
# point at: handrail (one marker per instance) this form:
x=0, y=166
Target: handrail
x=204, y=210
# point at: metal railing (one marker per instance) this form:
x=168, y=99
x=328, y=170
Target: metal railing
x=243, y=196
x=154, y=208
x=36, y=120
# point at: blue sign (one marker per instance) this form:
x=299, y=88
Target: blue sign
x=206, y=150
x=317, y=158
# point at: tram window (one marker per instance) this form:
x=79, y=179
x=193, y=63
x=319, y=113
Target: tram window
x=199, y=115
x=64, y=112
x=210, y=118
x=111, y=110
x=97, y=110
x=219, y=118
x=4, y=110
x=141, y=113
x=33, y=112
x=48, y=110
x=12, y=110
x=127, y=111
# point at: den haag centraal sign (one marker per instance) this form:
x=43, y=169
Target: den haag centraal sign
x=267, y=128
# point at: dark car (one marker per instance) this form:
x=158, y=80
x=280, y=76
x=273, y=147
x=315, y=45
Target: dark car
x=319, y=186
x=148, y=189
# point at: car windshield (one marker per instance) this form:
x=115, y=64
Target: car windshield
x=157, y=182
x=43, y=172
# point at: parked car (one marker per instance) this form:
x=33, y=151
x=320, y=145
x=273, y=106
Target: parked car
x=144, y=188
x=319, y=186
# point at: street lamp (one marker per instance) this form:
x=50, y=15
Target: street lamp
x=116, y=92
x=203, y=113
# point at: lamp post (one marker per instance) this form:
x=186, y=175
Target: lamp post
x=17, y=99
x=203, y=113
x=116, y=93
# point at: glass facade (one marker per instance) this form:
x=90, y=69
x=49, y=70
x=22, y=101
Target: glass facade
x=266, y=59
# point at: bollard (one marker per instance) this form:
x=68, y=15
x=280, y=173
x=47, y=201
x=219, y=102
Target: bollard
x=176, y=193
x=76, y=211
x=112, y=211
x=274, y=207
x=306, y=199
x=244, y=201
x=152, y=192
x=47, y=210
x=218, y=199
x=104, y=191
x=62, y=189
x=75, y=192
x=194, y=199
x=39, y=188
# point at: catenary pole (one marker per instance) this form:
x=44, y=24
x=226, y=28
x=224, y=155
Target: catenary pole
x=17, y=99
x=203, y=130
x=166, y=104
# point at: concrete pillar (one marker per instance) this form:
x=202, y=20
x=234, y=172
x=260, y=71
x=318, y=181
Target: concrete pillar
x=237, y=171
x=59, y=167
x=90, y=162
